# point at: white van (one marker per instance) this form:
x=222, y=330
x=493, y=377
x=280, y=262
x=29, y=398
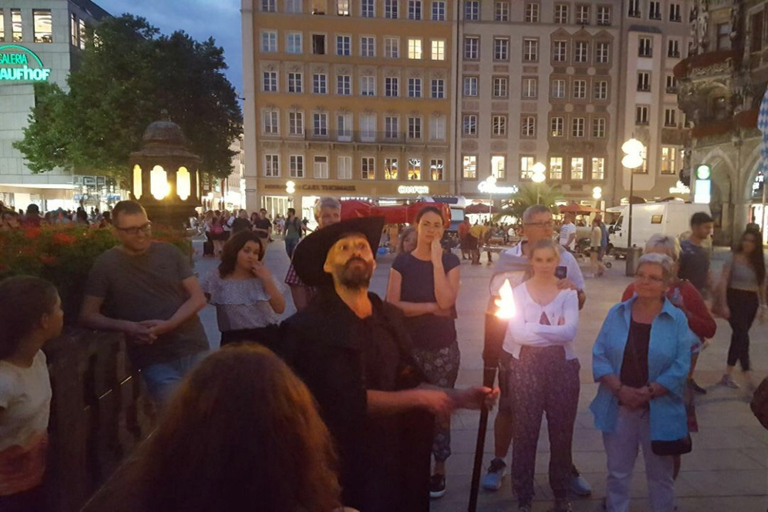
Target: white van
x=668, y=218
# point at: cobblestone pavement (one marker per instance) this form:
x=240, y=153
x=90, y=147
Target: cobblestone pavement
x=727, y=470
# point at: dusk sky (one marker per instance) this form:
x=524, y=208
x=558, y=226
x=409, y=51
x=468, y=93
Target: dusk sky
x=201, y=19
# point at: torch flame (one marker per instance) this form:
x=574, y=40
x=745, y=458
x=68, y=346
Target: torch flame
x=506, y=302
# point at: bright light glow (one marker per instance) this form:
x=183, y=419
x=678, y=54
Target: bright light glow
x=413, y=189
x=632, y=146
x=539, y=168
x=488, y=188
x=290, y=187
x=183, y=183
x=597, y=193
x=632, y=161
x=506, y=301
x=538, y=177
x=491, y=180
x=158, y=180
x=137, y=181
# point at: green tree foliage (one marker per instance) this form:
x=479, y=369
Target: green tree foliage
x=527, y=195
x=128, y=74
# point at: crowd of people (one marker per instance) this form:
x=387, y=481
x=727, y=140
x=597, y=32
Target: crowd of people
x=348, y=402
x=11, y=219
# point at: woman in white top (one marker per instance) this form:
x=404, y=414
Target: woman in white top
x=544, y=374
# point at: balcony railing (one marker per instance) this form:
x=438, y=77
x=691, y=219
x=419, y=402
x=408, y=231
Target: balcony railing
x=378, y=137
x=718, y=61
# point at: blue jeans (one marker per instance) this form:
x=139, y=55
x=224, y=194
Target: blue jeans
x=290, y=246
x=163, y=378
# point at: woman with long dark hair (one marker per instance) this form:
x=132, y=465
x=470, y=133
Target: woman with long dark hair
x=247, y=297
x=242, y=433
x=742, y=289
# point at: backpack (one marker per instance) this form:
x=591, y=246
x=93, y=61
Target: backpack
x=759, y=404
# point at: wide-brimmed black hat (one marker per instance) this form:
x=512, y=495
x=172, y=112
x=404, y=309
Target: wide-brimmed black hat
x=309, y=256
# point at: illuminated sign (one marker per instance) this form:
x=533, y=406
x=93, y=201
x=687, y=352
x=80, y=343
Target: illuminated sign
x=413, y=189
x=15, y=62
x=488, y=188
x=679, y=189
x=703, y=172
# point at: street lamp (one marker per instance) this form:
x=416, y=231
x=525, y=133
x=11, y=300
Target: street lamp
x=538, y=177
x=597, y=194
x=633, y=158
x=490, y=185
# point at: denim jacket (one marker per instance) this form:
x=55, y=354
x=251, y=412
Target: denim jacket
x=669, y=360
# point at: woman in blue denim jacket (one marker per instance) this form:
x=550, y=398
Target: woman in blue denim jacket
x=641, y=359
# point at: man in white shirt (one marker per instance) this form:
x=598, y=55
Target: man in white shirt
x=568, y=233
x=537, y=225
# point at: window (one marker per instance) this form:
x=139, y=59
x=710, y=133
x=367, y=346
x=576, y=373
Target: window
x=269, y=41
x=470, y=124
x=469, y=167
x=414, y=87
x=668, y=160
x=293, y=6
x=671, y=84
x=603, y=15
x=723, y=36
x=72, y=28
x=368, y=168
x=582, y=15
x=634, y=8
x=577, y=168
x=295, y=123
x=530, y=88
x=654, y=10
x=561, y=14
x=528, y=126
x=643, y=81
x=16, y=32
x=319, y=84
x=673, y=48
x=272, y=166
x=437, y=128
x=601, y=90
x=436, y=167
x=295, y=82
x=320, y=124
x=438, y=10
x=756, y=32
x=293, y=43
x=472, y=10
x=532, y=12
x=344, y=46
x=344, y=85
x=670, y=117
x=498, y=167
x=392, y=47
x=579, y=89
x=438, y=49
x=414, y=9
x=368, y=127
x=390, y=9
x=342, y=7
x=414, y=49
x=392, y=86
x=270, y=118
x=577, y=127
x=438, y=88
x=82, y=32
x=560, y=51
x=391, y=127
x=500, y=87
x=598, y=168
x=556, y=127
x=530, y=50
x=43, y=26
x=269, y=5
x=318, y=44
x=470, y=86
x=598, y=128
x=321, y=167
x=582, y=52
x=674, y=13
x=367, y=85
x=471, y=48
x=390, y=168
x=500, y=48
x=526, y=167
x=368, y=8
x=344, y=168
x=344, y=126
x=414, y=168
x=602, y=53
x=367, y=46
x=499, y=126
x=558, y=89
x=296, y=164
x=556, y=168
x=501, y=11
x=645, y=47
x=641, y=115
x=270, y=81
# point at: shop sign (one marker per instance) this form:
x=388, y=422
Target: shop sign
x=413, y=189
x=326, y=188
x=489, y=188
x=15, y=64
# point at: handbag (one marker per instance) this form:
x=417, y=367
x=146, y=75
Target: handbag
x=677, y=447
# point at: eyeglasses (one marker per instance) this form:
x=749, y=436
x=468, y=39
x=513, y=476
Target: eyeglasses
x=547, y=224
x=651, y=279
x=144, y=228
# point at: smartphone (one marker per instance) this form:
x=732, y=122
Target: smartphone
x=561, y=272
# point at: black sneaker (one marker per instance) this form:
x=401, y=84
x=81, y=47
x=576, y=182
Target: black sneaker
x=562, y=506
x=437, y=486
x=696, y=388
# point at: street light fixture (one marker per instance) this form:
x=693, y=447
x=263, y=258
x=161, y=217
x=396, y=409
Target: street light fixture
x=633, y=158
x=538, y=177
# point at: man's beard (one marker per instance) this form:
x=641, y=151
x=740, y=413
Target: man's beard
x=355, y=277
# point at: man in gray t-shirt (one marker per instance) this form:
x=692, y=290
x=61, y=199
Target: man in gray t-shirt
x=147, y=290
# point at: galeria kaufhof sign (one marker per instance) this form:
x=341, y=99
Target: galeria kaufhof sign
x=19, y=64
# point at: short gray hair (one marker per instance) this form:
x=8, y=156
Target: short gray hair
x=669, y=244
x=326, y=202
x=662, y=260
x=534, y=210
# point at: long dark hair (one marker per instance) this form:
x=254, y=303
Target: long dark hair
x=756, y=258
x=429, y=209
x=242, y=433
x=233, y=246
x=23, y=302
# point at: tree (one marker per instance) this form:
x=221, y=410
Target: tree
x=527, y=195
x=128, y=74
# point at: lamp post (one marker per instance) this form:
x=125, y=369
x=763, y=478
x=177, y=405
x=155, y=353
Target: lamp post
x=538, y=178
x=633, y=158
x=597, y=194
x=491, y=184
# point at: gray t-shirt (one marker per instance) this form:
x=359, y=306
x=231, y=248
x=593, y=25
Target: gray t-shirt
x=148, y=287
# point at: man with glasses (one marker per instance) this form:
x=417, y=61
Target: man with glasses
x=147, y=291
x=537, y=225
